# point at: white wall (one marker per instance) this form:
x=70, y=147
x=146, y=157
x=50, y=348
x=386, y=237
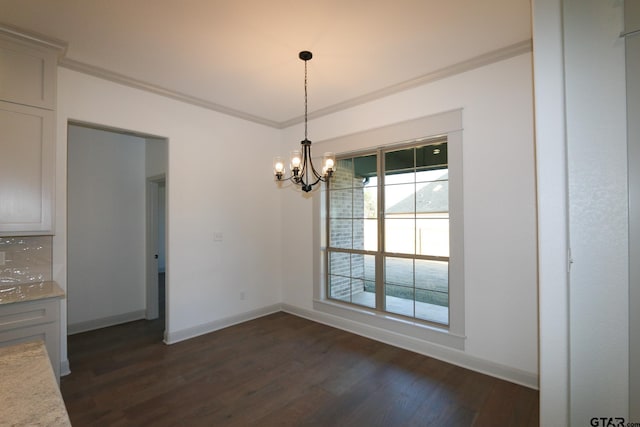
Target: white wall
x=598, y=209
x=499, y=203
x=578, y=46
x=155, y=157
x=553, y=240
x=219, y=171
x=106, y=226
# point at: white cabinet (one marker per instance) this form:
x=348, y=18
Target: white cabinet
x=27, y=72
x=26, y=169
x=31, y=321
x=27, y=136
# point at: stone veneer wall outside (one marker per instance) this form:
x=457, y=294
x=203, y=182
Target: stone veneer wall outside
x=26, y=259
x=347, y=231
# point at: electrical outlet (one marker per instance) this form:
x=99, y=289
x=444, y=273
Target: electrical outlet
x=2, y=258
x=243, y=296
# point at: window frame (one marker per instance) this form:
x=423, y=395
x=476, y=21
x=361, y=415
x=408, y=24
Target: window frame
x=444, y=125
x=381, y=254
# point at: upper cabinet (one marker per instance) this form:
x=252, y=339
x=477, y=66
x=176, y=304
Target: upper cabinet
x=27, y=161
x=27, y=133
x=27, y=73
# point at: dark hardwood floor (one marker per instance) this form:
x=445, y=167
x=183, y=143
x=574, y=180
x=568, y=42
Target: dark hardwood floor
x=276, y=370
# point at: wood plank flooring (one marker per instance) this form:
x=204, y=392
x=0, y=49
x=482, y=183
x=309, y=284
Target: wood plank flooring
x=279, y=370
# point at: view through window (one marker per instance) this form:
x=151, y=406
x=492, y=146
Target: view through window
x=388, y=231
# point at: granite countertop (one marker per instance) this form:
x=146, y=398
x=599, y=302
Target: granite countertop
x=28, y=390
x=29, y=292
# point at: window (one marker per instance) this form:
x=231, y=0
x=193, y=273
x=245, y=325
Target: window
x=376, y=159
x=388, y=231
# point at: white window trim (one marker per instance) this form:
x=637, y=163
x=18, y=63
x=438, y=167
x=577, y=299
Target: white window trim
x=449, y=124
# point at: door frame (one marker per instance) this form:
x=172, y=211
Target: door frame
x=152, y=245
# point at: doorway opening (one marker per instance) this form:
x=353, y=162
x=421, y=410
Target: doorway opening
x=110, y=174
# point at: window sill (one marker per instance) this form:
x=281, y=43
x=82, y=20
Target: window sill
x=390, y=323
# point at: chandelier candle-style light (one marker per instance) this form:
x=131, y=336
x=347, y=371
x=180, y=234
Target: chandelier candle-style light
x=302, y=171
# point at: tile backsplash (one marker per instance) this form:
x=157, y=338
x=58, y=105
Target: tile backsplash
x=26, y=259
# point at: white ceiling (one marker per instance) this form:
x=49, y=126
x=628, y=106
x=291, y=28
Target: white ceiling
x=242, y=55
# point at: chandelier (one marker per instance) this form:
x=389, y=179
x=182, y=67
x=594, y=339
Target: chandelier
x=303, y=173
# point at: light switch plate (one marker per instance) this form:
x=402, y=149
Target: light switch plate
x=217, y=236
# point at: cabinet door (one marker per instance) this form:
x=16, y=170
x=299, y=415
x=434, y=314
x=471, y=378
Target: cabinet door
x=27, y=74
x=26, y=170
x=32, y=321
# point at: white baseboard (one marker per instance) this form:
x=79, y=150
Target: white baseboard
x=64, y=368
x=455, y=357
x=90, y=325
x=185, y=334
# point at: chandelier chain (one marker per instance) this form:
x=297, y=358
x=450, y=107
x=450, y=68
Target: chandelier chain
x=305, y=99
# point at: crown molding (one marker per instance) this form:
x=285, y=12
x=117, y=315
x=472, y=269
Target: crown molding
x=31, y=37
x=159, y=90
x=461, y=67
x=470, y=64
